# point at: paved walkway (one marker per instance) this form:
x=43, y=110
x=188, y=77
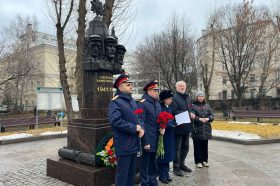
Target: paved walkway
x=230, y=164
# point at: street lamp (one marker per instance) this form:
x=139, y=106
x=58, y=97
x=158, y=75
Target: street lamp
x=159, y=78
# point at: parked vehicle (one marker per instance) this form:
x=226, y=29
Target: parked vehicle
x=4, y=108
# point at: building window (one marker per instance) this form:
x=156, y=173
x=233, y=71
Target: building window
x=232, y=94
x=224, y=80
x=262, y=46
x=252, y=78
x=223, y=66
x=263, y=76
x=263, y=92
x=253, y=93
x=224, y=94
x=253, y=65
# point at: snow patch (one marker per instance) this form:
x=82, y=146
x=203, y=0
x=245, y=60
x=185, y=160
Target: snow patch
x=15, y=136
x=53, y=133
x=240, y=122
x=235, y=135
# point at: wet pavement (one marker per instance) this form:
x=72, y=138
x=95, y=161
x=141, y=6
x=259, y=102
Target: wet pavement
x=230, y=165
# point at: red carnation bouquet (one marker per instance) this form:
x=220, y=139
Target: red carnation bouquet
x=162, y=120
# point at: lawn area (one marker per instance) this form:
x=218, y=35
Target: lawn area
x=264, y=131
x=35, y=132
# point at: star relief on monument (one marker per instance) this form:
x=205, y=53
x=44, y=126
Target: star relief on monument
x=97, y=7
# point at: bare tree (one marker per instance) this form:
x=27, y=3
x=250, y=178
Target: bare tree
x=63, y=13
x=266, y=60
x=2, y=43
x=82, y=11
x=206, y=59
x=170, y=53
x=18, y=66
x=239, y=28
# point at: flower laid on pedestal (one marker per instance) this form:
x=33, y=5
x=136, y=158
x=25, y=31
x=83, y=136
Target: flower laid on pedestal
x=162, y=120
x=107, y=155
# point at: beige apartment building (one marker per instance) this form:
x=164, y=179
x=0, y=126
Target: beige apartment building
x=220, y=87
x=45, y=73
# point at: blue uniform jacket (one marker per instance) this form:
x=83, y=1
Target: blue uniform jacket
x=151, y=108
x=168, y=139
x=124, y=121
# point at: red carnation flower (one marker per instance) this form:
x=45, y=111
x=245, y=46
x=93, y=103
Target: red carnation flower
x=110, y=152
x=138, y=111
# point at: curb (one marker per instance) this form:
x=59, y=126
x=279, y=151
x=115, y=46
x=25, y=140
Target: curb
x=247, y=142
x=33, y=138
x=243, y=142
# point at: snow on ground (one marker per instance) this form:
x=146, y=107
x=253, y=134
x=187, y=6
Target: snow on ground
x=235, y=135
x=247, y=122
x=15, y=136
x=53, y=133
x=240, y=122
x=218, y=133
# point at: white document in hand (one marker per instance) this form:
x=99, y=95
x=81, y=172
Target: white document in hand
x=183, y=117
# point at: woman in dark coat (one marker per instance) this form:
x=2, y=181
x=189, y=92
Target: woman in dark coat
x=202, y=131
x=168, y=139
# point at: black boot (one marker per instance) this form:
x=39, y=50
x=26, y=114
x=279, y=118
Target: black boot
x=178, y=172
x=185, y=168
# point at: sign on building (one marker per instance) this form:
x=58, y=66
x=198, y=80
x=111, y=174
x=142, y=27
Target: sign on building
x=49, y=98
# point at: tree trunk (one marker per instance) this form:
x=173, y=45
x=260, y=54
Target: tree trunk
x=206, y=93
x=80, y=50
x=108, y=12
x=239, y=100
x=63, y=75
x=16, y=96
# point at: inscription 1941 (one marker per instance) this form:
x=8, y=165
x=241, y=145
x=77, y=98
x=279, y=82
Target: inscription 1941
x=104, y=79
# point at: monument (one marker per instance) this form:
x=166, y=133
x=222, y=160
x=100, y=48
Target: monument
x=102, y=58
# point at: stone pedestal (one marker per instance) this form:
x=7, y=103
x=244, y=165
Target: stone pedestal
x=79, y=174
x=84, y=134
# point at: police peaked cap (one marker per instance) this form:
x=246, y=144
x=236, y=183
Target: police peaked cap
x=123, y=78
x=151, y=85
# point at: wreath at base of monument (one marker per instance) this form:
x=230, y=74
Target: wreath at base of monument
x=105, y=152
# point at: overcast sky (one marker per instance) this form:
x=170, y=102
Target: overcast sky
x=152, y=15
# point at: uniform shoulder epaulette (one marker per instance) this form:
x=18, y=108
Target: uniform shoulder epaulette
x=115, y=97
x=142, y=100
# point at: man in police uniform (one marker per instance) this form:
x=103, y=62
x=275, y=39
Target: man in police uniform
x=126, y=129
x=151, y=108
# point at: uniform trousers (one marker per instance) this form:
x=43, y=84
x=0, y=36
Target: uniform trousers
x=149, y=169
x=125, y=175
